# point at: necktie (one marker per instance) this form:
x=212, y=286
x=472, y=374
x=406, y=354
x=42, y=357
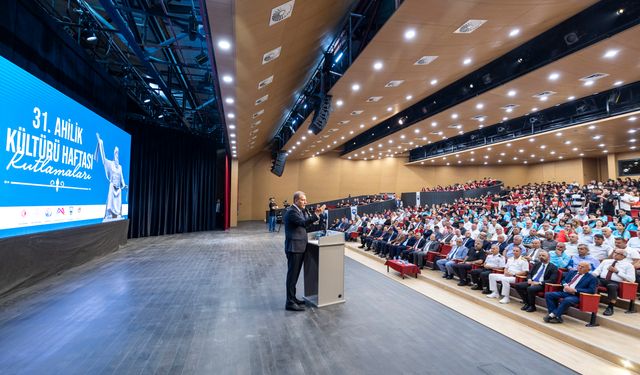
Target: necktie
x=540, y=273
x=574, y=278
x=453, y=253
x=609, y=274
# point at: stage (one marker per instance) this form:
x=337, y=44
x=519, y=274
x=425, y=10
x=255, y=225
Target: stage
x=213, y=303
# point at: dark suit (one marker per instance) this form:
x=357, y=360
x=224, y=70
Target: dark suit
x=295, y=245
x=587, y=284
x=528, y=292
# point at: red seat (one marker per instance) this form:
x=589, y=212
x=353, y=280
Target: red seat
x=634, y=212
x=626, y=290
x=432, y=256
x=633, y=233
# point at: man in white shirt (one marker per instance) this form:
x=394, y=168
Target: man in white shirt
x=608, y=236
x=534, y=252
x=516, y=266
x=613, y=271
x=480, y=276
x=571, y=247
x=599, y=249
x=627, y=199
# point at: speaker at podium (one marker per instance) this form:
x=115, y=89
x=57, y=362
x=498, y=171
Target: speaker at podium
x=324, y=268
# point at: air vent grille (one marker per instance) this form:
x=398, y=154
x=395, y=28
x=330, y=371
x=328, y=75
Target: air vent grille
x=281, y=12
x=425, y=60
x=271, y=55
x=594, y=77
x=395, y=83
x=469, y=26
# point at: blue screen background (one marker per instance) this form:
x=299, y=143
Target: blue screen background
x=26, y=100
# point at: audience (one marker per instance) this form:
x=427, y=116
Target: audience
x=521, y=231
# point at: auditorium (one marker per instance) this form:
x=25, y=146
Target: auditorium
x=319, y=187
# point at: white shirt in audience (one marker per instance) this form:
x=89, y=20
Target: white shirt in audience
x=600, y=252
x=626, y=272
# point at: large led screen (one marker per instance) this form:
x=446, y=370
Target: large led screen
x=62, y=165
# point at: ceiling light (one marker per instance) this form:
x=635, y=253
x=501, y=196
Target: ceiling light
x=552, y=152
x=232, y=126
x=410, y=34
x=592, y=127
x=601, y=145
x=532, y=139
x=596, y=137
x=229, y=100
x=389, y=109
x=505, y=118
x=434, y=82
x=377, y=65
x=511, y=93
x=554, y=76
x=479, y=106
x=521, y=150
x=231, y=115
x=161, y=115
x=632, y=140
x=351, y=132
x=508, y=144
x=588, y=83
x=633, y=147
x=390, y=141
x=309, y=131
x=632, y=118
x=374, y=118
x=408, y=97
x=499, y=160
x=514, y=32
x=534, y=109
x=147, y=100
x=567, y=142
x=544, y=98
x=610, y=53
x=509, y=110
x=339, y=103
x=224, y=45
x=559, y=134
x=466, y=61
x=618, y=83
x=533, y=155
x=361, y=126
x=454, y=116
x=355, y=87
x=605, y=151
x=581, y=154
x=227, y=79
x=232, y=135
x=571, y=97
x=515, y=158
x=434, y=124
x=543, y=146
x=233, y=142
x=574, y=149
x=417, y=131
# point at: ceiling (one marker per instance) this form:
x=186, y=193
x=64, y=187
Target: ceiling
x=622, y=69
x=159, y=53
x=589, y=140
x=301, y=39
x=434, y=23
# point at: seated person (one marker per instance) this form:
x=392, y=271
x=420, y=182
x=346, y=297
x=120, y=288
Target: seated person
x=396, y=249
x=475, y=256
x=599, y=249
x=613, y=271
x=559, y=257
x=387, y=237
x=480, y=276
x=431, y=245
x=533, y=252
x=543, y=271
x=385, y=247
x=621, y=232
x=574, y=283
x=572, y=245
x=421, y=241
x=368, y=235
x=517, y=242
x=548, y=243
x=516, y=266
x=458, y=252
x=583, y=256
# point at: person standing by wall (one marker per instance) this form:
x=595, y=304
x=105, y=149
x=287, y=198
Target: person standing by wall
x=271, y=221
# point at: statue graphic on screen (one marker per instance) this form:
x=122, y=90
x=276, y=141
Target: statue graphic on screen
x=113, y=170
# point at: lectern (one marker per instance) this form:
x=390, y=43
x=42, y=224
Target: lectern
x=324, y=268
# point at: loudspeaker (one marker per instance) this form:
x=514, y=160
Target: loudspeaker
x=321, y=115
x=277, y=164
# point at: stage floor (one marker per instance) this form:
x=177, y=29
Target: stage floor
x=213, y=303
